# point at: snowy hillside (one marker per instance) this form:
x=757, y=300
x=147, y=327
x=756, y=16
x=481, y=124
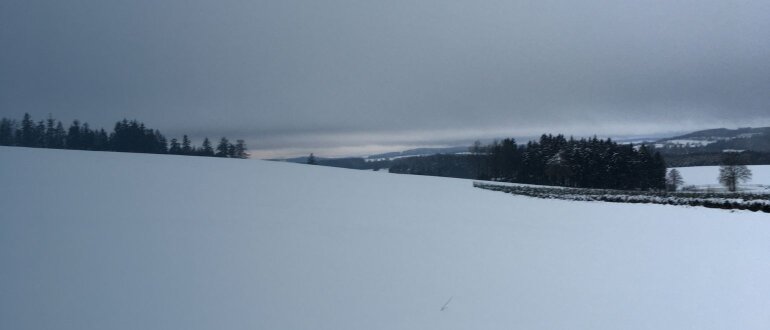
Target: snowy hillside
x=755, y=139
x=706, y=178
x=97, y=240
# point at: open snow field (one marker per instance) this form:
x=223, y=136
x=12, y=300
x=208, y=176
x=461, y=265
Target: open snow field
x=706, y=178
x=96, y=240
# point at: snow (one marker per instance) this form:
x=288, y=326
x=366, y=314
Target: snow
x=743, y=201
x=706, y=178
x=701, y=143
x=748, y=135
x=97, y=240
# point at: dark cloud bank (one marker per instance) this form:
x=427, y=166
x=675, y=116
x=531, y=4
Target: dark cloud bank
x=358, y=76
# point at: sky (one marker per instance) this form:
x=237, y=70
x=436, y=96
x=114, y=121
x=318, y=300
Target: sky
x=344, y=77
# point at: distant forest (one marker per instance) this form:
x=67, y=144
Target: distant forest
x=126, y=136
x=754, y=142
x=553, y=160
x=753, y=139
x=696, y=157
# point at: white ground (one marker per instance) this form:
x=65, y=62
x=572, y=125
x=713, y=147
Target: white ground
x=706, y=178
x=92, y=240
x=693, y=142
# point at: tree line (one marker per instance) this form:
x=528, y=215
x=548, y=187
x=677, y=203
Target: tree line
x=712, y=158
x=126, y=136
x=553, y=160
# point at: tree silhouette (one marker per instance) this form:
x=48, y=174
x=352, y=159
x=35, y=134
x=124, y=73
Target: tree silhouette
x=186, y=146
x=223, y=148
x=206, y=148
x=7, y=131
x=27, y=132
x=73, y=136
x=732, y=172
x=240, y=149
x=174, y=148
x=127, y=136
x=673, y=180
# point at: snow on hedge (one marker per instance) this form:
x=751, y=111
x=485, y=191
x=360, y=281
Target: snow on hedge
x=720, y=200
x=97, y=240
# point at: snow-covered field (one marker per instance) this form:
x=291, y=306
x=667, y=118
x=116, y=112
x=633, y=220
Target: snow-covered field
x=94, y=240
x=706, y=178
x=693, y=142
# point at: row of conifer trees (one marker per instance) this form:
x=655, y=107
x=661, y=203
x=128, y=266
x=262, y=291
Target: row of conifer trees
x=127, y=136
x=552, y=160
x=556, y=160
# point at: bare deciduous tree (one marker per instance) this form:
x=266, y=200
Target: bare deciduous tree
x=733, y=171
x=673, y=179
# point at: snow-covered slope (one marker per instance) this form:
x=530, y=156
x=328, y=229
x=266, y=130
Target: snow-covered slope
x=92, y=240
x=707, y=177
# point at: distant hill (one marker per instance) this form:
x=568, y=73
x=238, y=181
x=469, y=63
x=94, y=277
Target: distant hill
x=302, y=159
x=718, y=140
x=699, y=148
x=357, y=163
x=705, y=147
x=419, y=152
x=376, y=162
x=724, y=133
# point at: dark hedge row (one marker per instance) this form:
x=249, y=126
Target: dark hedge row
x=729, y=201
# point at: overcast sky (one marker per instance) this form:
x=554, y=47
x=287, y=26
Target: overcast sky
x=347, y=77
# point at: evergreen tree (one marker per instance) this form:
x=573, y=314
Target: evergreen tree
x=509, y=159
x=17, y=137
x=59, y=136
x=658, y=172
x=101, y=140
x=186, y=146
x=477, y=157
x=311, y=160
x=7, y=131
x=27, y=132
x=50, y=131
x=73, y=136
x=174, y=148
x=230, y=150
x=39, y=133
x=161, y=142
x=223, y=148
x=557, y=169
x=87, y=137
x=206, y=149
x=240, y=149
x=644, y=161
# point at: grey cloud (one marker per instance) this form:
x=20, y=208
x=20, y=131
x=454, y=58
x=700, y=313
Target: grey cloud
x=300, y=72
